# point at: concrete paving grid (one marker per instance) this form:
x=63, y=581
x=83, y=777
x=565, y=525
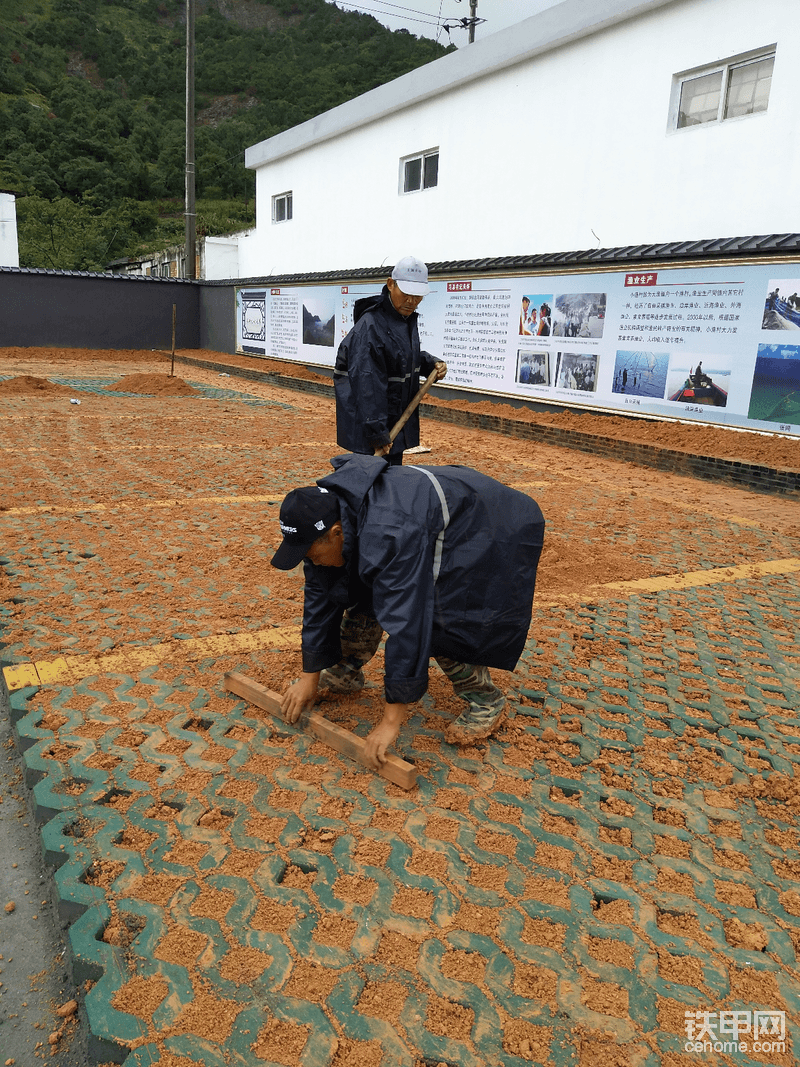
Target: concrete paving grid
x=548, y=849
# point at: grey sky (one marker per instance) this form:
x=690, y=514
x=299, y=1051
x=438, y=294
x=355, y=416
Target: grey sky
x=424, y=17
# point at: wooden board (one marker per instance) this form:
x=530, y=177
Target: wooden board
x=349, y=744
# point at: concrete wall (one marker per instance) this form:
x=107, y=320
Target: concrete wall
x=570, y=148
x=217, y=317
x=96, y=311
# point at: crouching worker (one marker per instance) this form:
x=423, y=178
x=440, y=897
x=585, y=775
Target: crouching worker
x=443, y=559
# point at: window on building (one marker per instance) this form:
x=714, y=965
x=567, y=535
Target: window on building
x=420, y=172
x=728, y=90
x=282, y=207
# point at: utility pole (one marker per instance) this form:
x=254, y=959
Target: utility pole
x=465, y=23
x=189, y=211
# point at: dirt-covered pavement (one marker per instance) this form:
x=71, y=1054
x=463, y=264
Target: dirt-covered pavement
x=623, y=852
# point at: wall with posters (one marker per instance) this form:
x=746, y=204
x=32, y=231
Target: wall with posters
x=717, y=345
x=546, y=141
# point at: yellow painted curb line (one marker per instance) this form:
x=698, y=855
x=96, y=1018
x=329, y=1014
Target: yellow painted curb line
x=676, y=582
x=693, y=579
x=66, y=670
x=73, y=668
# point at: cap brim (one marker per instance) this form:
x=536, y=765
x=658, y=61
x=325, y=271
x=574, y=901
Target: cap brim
x=288, y=556
x=413, y=288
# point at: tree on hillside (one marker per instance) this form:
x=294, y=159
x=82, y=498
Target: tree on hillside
x=92, y=110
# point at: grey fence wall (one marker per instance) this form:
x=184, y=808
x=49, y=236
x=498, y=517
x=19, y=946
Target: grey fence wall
x=82, y=310
x=218, y=316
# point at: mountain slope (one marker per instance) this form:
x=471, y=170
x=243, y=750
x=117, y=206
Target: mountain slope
x=92, y=109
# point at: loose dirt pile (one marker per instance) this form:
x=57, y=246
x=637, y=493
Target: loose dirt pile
x=153, y=385
x=28, y=385
x=771, y=450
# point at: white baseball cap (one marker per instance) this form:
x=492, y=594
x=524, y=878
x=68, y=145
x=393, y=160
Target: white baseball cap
x=411, y=275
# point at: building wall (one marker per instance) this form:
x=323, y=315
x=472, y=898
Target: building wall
x=9, y=245
x=567, y=150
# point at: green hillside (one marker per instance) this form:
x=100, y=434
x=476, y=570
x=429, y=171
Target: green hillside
x=92, y=110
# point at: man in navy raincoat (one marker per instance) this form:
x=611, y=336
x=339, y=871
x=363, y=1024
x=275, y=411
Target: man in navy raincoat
x=443, y=559
x=378, y=366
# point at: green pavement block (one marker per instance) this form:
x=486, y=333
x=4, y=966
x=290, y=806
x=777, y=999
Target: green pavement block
x=73, y=894
x=486, y=1031
x=434, y=1048
x=18, y=700
x=360, y=1027
x=51, y=793
x=144, y=1056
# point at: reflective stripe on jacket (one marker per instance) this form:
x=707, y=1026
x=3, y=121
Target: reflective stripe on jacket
x=454, y=580
x=377, y=375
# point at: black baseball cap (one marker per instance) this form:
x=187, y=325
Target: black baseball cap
x=306, y=514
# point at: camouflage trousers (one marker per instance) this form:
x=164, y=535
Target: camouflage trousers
x=361, y=634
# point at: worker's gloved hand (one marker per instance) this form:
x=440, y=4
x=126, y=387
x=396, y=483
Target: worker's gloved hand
x=441, y=367
x=299, y=696
x=384, y=735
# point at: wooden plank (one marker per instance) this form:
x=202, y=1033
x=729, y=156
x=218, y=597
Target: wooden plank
x=349, y=744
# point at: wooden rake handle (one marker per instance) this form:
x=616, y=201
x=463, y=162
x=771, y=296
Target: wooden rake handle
x=412, y=407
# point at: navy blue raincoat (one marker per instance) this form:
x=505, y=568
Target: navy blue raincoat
x=377, y=376
x=445, y=559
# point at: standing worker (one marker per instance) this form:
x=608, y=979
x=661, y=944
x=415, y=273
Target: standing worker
x=441, y=558
x=378, y=366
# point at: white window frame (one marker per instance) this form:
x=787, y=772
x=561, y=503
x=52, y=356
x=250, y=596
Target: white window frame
x=422, y=157
x=724, y=66
x=286, y=199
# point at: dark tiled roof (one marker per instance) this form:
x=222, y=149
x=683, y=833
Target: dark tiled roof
x=668, y=253
x=111, y=275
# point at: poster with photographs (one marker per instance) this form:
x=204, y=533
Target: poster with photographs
x=775, y=397
x=533, y=367
x=704, y=382
x=535, y=315
x=642, y=374
x=711, y=344
x=579, y=315
x=319, y=319
x=782, y=305
x=577, y=370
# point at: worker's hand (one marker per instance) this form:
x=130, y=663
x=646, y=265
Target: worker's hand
x=299, y=696
x=384, y=735
x=383, y=450
x=441, y=367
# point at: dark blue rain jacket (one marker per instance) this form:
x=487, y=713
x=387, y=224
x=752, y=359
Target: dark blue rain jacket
x=444, y=577
x=377, y=376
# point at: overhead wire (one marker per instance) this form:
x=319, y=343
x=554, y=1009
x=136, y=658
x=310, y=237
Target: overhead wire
x=409, y=12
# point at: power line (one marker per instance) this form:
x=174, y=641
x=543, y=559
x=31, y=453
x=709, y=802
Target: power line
x=427, y=21
x=397, y=7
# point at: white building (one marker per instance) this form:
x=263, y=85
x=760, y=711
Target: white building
x=597, y=123
x=9, y=244
x=215, y=258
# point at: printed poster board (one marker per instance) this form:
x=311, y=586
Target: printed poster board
x=717, y=345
